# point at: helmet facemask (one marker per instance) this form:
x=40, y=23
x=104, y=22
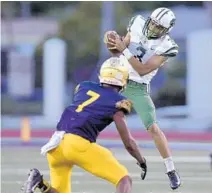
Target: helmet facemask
x=154, y=30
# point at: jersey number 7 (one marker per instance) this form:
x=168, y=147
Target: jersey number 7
x=94, y=97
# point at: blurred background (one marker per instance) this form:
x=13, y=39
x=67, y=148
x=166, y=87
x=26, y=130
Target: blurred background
x=47, y=48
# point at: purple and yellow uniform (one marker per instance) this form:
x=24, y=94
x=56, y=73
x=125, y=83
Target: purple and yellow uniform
x=92, y=110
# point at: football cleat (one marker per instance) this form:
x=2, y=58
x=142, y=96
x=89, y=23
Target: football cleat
x=174, y=179
x=33, y=181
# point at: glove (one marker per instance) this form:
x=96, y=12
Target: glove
x=143, y=167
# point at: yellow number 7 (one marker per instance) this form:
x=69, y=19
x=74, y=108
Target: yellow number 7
x=94, y=97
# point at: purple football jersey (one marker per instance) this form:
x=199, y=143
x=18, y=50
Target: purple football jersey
x=92, y=110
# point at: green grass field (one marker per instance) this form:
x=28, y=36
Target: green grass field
x=193, y=166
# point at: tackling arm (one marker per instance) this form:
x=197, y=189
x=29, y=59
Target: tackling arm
x=129, y=142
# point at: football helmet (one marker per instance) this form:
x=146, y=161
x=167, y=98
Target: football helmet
x=159, y=23
x=114, y=72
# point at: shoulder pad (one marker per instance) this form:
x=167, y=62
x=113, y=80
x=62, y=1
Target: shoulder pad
x=167, y=48
x=125, y=105
x=135, y=22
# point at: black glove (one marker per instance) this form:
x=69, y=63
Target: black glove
x=143, y=167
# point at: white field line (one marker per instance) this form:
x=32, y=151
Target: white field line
x=158, y=159
x=126, y=157
x=25, y=171
x=135, y=175
x=135, y=181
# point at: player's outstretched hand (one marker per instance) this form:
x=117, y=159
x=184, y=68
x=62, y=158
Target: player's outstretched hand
x=143, y=167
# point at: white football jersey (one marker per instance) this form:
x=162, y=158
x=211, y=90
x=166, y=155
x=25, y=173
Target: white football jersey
x=143, y=49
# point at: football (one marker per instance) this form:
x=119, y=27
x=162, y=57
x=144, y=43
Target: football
x=111, y=35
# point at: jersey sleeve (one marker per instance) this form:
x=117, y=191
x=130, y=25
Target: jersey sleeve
x=125, y=105
x=81, y=85
x=167, y=48
x=135, y=27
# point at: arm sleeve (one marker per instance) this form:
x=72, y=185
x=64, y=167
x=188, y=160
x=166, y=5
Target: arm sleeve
x=135, y=27
x=168, y=48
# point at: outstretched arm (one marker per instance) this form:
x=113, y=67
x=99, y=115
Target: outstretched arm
x=129, y=142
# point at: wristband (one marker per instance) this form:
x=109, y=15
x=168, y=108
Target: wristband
x=127, y=53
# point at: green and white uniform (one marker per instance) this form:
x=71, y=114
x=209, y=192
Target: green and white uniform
x=138, y=87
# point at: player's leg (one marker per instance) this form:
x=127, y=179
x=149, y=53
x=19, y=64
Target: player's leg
x=60, y=169
x=97, y=160
x=60, y=174
x=162, y=145
x=144, y=106
x=104, y=165
x=124, y=185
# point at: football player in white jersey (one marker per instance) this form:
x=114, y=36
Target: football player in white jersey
x=146, y=47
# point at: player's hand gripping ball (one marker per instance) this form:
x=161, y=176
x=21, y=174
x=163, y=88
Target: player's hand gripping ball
x=110, y=45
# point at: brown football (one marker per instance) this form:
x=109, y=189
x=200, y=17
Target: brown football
x=111, y=35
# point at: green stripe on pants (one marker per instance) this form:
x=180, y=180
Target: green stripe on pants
x=142, y=102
